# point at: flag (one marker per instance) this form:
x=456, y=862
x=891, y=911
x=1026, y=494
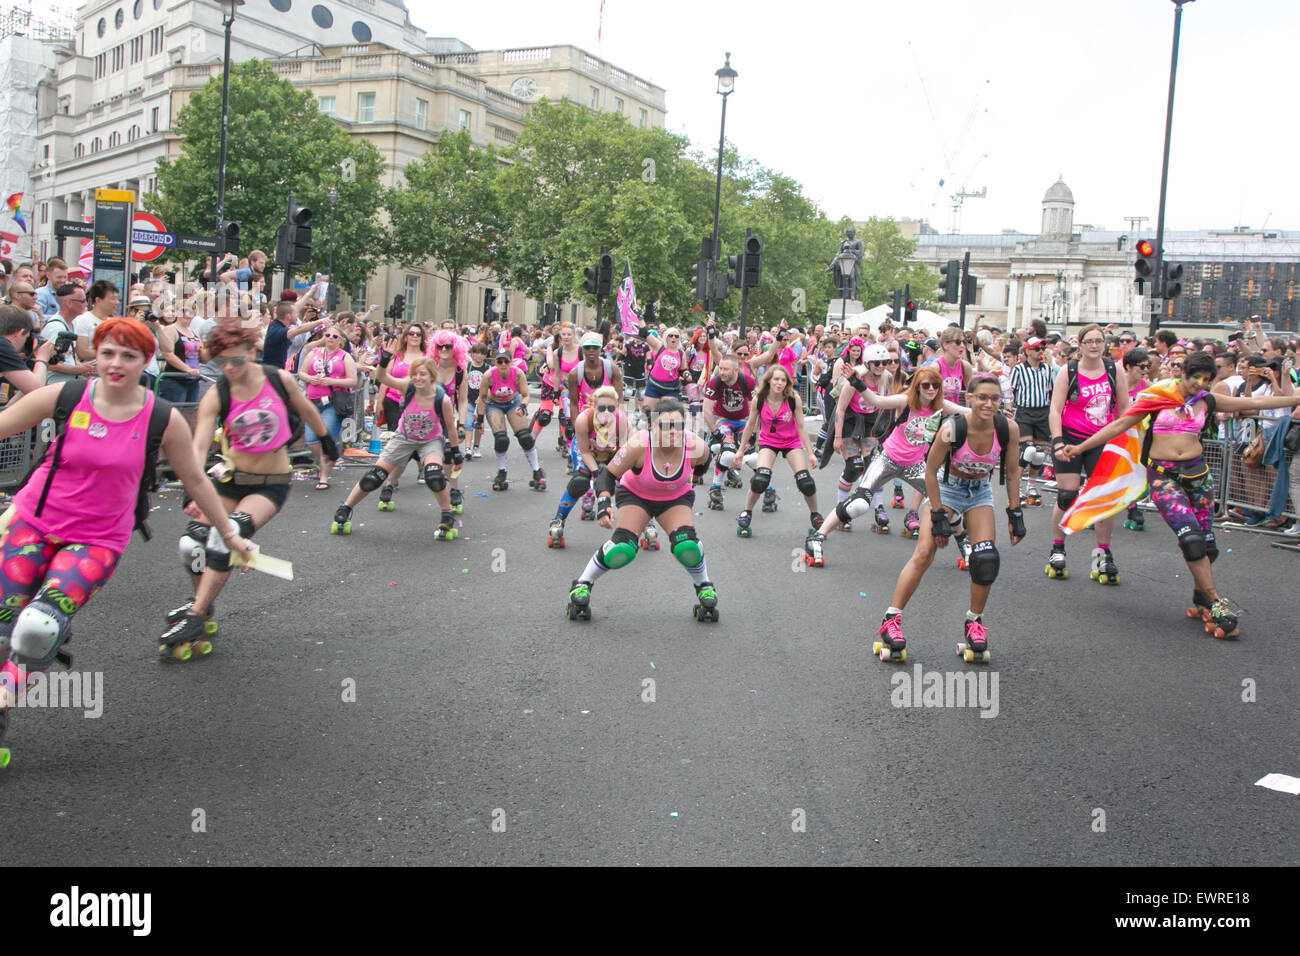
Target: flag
x=8, y=244
x=626, y=299
x=600, y=24
x=1120, y=478
x=14, y=202
x=86, y=262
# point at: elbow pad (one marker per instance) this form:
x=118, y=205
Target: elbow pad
x=604, y=482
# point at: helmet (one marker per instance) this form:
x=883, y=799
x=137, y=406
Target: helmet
x=875, y=353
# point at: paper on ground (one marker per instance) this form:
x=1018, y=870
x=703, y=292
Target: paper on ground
x=1280, y=781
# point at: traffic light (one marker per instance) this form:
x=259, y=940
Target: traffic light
x=332, y=296
x=605, y=278
x=399, y=307
x=721, y=285
x=1172, y=287
x=968, y=291
x=949, y=280
x=736, y=270
x=702, y=279
x=895, y=306
x=591, y=280
x=229, y=236
x=1144, y=265
x=489, y=305
x=909, y=312
x=753, y=263
x=298, y=233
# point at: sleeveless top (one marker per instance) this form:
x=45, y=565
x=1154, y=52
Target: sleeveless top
x=649, y=483
x=259, y=425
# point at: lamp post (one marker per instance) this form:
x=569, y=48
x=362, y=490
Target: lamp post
x=726, y=86
x=847, y=263
x=333, y=197
x=1164, y=168
x=228, y=10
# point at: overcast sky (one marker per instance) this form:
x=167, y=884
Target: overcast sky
x=870, y=103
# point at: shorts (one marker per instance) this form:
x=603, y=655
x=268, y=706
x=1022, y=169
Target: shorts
x=1033, y=424
x=734, y=428
x=882, y=468
x=963, y=494
x=505, y=409
x=399, y=450
x=624, y=497
x=783, y=452
x=857, y=426
x=277, y=492
x=550, y=393
x=1186, y=505
x=333, y=424
x=654, y=389
x=1087, y=462
x=634, y=382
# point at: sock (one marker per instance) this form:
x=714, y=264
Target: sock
x=972, y=616
x=593, y=570
x=566, y=505
x=699, y=574
x=843, y=489
x=531, y=456
x=879, y=498
x=893, y=610
x=1058, y=544
x=501, y=460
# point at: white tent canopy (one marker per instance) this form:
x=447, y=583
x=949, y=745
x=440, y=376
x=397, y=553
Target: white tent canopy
x=873, y=317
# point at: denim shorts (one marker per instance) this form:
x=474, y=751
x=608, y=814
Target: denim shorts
x=655, y=389
x=332, y=424
x=963, y=494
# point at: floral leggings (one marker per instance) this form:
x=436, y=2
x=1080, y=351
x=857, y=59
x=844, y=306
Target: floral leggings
x=1184, y=509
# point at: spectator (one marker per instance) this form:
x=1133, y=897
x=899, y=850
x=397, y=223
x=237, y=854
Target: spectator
x=16, y=330
x=22, y=295
x=65, y=366
x=104, y=300
x=256, y=269
x=47, y=295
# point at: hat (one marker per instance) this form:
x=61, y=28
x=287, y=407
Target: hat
x=1035, y=343
x=139, y=302
x=505, y=354
x=932, y=344
x=591, y=340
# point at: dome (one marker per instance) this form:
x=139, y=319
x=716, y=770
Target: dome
x=1059, y=192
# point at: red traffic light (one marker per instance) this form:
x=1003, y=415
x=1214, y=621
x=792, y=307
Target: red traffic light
x=911, y=306
x=1144, y=248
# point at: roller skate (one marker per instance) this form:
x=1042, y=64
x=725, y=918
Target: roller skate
x=457, y=502
x=974, y=649
x=555, y=535
x=501, y=482
x=538, y=481
x=742, y=525
x=963, y=553
x=650, y=538
x=1031, y=497
x=881, y=525
x=4, y=723
x=892, y=647
x=715, y=498
x=188, y=636
x=579, y=601
x=1201, y=604
x=911, y=525
x=816, y=520
x=386, y=498
x=342, y=523
x=1135, y=521
x=175, y=614
x=1104, y=570
x=899, y=503
x=559, y=443
x=1056, y=569
x=707, y=609
x=1223, y=620
x=769, y=500
x=446, y=528
x=733, y=478
x=813, y=556
x=589, y=507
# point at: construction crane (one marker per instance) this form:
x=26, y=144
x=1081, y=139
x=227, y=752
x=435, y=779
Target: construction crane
x=960, y=196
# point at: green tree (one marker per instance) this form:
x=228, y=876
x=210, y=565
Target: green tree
x=278, y=143
x=448, y=211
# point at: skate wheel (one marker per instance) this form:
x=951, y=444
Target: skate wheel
x=1193, y=612
x=334, y=527
x=1094, y=576
x=209, y=627
x=884, y=653
x=902, y=656
x=573, y=611
x=819, y=563
x=968, y=655
x=203, y=647
x=961, y=564
x=808, y=560
x=4, y=758
x=875, y=647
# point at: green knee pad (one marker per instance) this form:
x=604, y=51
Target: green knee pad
x=686, y=547
x=619, y=550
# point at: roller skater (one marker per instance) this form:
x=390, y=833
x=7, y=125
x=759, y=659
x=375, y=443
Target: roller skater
x=1056, y=569
x=857, y=413
x=342, y=523
x=1104, y=570
x=835, y=378
x=1181, y=486
x=560, y=361
x=502, y=403
x=726, y=399
x=891, y=645
x=1031, y=393
x=600, y=429
x=653, y=474
x=325, y=371
x=395, y=361
x=776, y=421
x=555, y=535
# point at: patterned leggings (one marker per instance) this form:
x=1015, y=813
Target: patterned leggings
x=1184, y=510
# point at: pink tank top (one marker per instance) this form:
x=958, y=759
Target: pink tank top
x=1091, y=411
x=502, y=390
x=650, y=484
x=777, y=429
x=1172, y=421
x=858, y=405
x=1133, y=392
x=259, y=425
x=399, y=367
x=667, y=367
x=92, y=498
x=586, y=390
x=972, y=464
x=907, y=444
x=419, y=422
x=335, y=367
x=567, y=367
x=951, y=375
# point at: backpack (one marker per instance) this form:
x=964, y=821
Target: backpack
x=1000, y=428
x=273, y=376
x=1072, y=387
x=69, y=395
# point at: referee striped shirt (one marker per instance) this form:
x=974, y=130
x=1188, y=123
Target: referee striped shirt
x=1031, y=386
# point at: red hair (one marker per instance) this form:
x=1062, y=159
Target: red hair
x=128, y=333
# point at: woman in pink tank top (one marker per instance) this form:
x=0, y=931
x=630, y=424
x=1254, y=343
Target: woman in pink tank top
x=70, y=523
x=653, y=475
x=326, y=370
x=963, y=495
x=253, y=477
x=776, y=422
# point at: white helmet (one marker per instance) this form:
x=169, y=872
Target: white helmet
x=875, y=353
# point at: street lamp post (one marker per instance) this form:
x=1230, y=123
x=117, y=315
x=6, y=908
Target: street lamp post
x=726, y=86
x=333, y=197
x=228, y=10
x=848, y=262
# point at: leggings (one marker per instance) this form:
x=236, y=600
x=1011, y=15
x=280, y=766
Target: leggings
x=1183, y=510
x=883, y=468
x=34, y=568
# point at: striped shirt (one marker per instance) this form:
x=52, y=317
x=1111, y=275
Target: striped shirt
x=1032, y=386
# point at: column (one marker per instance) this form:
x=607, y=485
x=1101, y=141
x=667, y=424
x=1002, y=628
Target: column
x=1013, y=290
x=1076, y=297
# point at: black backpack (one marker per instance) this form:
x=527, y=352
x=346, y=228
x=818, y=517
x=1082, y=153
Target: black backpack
x=273, y=376
x=1072, y=386
x=69, y=395
x=1000, y=428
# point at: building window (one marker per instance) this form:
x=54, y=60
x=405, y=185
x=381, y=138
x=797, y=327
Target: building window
x=45, y=213
x=463, y=121
x=119, y=57
x=421, y=114
x=100, y=62
x=155, y=41
x=365, y=107
x=137, y=49
x=618, y=104
x=153, y=120
x=119, y=18
x=96, y=145
x=133, y=134
x=46, y=154
x=594, y=101
x=114, y=140
x=78, y=151
x=326, y=104
x=640, y=118
x=412, y=292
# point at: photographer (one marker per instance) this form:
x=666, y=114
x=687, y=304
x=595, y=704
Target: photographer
x=65, y=366
x=24, y=356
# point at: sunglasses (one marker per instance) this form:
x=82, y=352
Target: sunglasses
x=446, y=347
x=605, y=408
x=1127, y=341
x=591, y=348
x=331, y=335
x=934, y=386
x=672, y=426
x=877, y=364
x=415, y=332
x=503, y=361
x=1145, y=366
x=234, y=361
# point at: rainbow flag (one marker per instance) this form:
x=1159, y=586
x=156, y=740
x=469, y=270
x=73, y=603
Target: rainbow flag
x=14, y=202
x=1120, y=478
x=626, y=298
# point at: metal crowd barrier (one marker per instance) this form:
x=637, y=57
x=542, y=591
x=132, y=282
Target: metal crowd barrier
x=1251, y=487
x=15, y=458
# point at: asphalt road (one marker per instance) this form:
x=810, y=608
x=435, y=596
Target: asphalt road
x=488, y=729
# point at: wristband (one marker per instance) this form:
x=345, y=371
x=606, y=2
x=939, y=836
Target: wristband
x=1058, y=440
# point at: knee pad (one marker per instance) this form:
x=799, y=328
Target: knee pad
x=803, y=480
x=543, y=417
x=1031, y=456
x=984, y=563
x=500, y=442
x=373, y=477
x=686, y=547
x=1193, y=545
x=619, y=550
x=853, y=507
x=726, y=458
x=1211, y=546
x=40, y=629
x=762, y=478
x=578, y=485
x=1066, y=498
x=218, y=555
x=192, y=543
x=435, y=477
x=525, y=439
x=853, y=469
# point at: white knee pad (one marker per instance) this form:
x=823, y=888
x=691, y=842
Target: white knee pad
x=38, y=632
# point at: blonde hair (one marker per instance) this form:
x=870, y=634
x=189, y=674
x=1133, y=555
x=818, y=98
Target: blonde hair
x=605, y=434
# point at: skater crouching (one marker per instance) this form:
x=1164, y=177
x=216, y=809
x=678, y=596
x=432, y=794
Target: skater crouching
x=776, y=422
x=600, y=430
